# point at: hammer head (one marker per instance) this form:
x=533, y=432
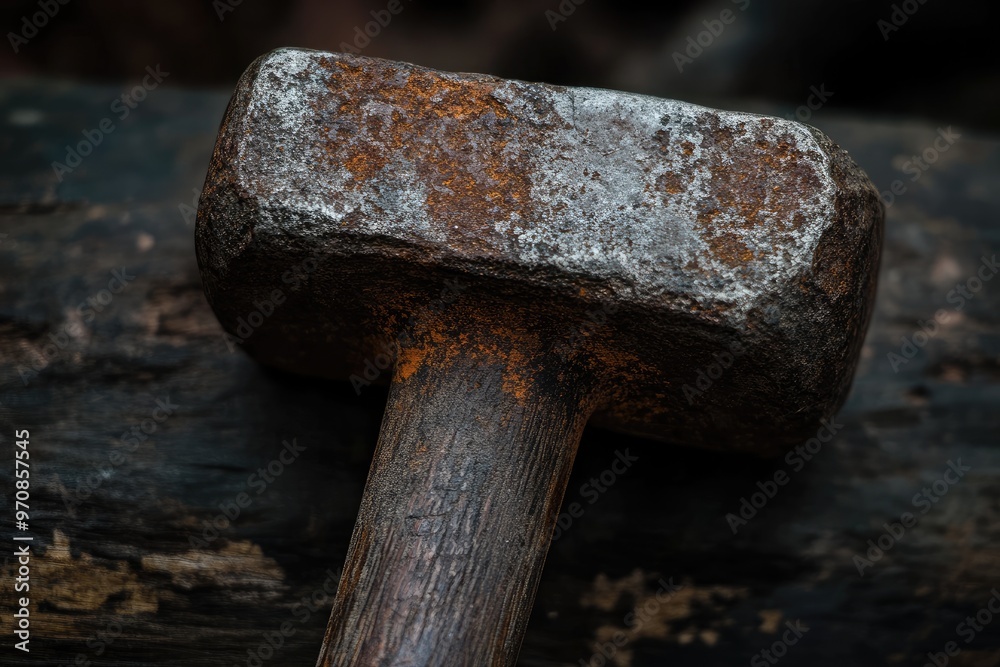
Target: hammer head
x=715, y=270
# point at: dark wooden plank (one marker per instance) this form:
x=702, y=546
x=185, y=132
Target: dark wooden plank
x=124, y=561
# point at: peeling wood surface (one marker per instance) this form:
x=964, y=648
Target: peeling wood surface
x=118, y=576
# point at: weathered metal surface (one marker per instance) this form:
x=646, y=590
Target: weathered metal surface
x=124, y=555
x=704, y=231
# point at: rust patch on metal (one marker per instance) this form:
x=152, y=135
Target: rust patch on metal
x=467, y=148
x=730, y=248
x=440, y=342
x=672, y=182
x=762, y=182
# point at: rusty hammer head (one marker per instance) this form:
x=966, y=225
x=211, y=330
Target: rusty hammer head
x=712, y=271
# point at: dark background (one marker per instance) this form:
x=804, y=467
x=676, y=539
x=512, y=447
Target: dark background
x=125, y=553
x=940, y=66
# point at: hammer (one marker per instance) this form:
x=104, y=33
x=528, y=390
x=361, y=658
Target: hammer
x=695, y=232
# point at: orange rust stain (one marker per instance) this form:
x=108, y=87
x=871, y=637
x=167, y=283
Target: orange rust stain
x=517, y=380
x=765, y=180
x=473, y=334
x=662, y=139
x=481, y=335
x=456, y=135
x=435, y=347
x=365, y=165
x=730, y=248
x=409, y=360
x=672, y=182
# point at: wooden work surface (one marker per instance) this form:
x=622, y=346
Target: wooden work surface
x=119, y=577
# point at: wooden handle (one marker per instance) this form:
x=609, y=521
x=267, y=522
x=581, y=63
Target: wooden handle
x=472, y=462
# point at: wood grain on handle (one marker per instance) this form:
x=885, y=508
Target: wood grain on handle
x=458, y=512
